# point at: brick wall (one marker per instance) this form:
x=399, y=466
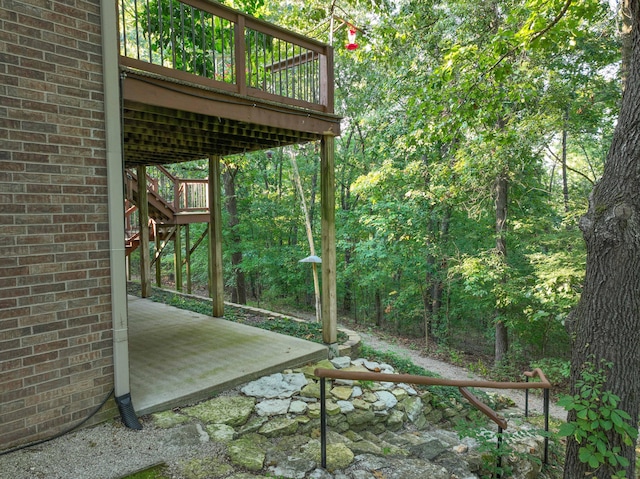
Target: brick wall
x=55, y=312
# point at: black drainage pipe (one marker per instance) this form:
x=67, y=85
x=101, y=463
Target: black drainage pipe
x=127, y=413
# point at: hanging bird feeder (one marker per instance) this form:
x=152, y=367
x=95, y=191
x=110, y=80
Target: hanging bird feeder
x=351, y=37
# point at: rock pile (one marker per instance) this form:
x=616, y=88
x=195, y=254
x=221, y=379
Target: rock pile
x=271, y=427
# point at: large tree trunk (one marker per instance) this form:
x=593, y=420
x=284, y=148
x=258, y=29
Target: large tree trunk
x=606, y=321
x=502, y=335
x=239, y=292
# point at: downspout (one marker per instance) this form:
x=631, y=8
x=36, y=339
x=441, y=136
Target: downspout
x=115, y=206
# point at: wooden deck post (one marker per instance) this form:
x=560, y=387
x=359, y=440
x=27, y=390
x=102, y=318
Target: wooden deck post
x=143, y=226
x=177, y=257
x=158, y=257
x=187, y=255
x=215, y=237
x=328, y=206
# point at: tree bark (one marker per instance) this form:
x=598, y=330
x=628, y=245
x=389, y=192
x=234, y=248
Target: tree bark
x=606, y=322
x=565, y=183
x=502, y=334
x=239, y=292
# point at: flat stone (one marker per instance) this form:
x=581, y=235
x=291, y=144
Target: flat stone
x=298, y=407
x=342, y=392
x=371, y=365
x=365, y=447
x=252, y=425
x=410, y=389
x=412, y=407
x=387, y=368
x=168, y=419
x=249, y=451
x=343, y=382
x=357, y=392
x=360, y=417
x=231, y=410
x=311, y=390
x=332, y=408
x=309, y=371
x=345, y=406
x=185, y=435
x=294, y=467
x=394, y=468
x=400, y=394
x=279, y=426
x=370, y=397
x=388, y=398
x=339, y=456
x=221, y=432
x=201, y=468
x=429, y=450
x=276, y=386
x=341, y=362
x=273, y=407
x=395, y=420
x=361, y=404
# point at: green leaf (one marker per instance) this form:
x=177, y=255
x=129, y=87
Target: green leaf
x=594, y=462
x=617, y=420
x=567, y=429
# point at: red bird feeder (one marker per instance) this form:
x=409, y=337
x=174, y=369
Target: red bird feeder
x=351, y=36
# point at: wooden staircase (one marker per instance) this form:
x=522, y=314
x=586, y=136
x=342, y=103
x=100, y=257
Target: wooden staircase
x=172, y=201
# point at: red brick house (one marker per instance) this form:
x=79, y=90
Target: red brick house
x=77, y=105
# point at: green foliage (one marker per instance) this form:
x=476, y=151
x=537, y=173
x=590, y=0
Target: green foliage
x=597, y=417
x=440, y=99
x=493, y=452
x=155, y=472
x=290, y=327
x=556, y=370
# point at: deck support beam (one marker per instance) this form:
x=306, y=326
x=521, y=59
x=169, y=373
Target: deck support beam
x=215, y=237
x=177, y=257
x=143, y=226
x=187, y=255
x=157, y=257
x=328, y=206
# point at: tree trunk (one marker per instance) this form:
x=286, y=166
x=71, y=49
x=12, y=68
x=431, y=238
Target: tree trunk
x=606, y=321
x=379, y=311
x=502, y=336
x=565, y=184
x=239, y=292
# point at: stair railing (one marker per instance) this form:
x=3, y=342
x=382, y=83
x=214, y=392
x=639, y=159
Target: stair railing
x=462, y=385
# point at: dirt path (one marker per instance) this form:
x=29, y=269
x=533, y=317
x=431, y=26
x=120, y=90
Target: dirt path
x=451, y=371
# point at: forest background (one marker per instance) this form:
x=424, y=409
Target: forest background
x=473, y=132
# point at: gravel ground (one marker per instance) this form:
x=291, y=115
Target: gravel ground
x=105, y=451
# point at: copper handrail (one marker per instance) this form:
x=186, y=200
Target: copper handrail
x=461, y=384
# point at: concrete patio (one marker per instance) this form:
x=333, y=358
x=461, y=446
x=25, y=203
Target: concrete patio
x=178, y=357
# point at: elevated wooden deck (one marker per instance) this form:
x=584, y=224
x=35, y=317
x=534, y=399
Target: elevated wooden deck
x=201, y=80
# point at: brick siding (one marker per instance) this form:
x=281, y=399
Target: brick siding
x=56, y=357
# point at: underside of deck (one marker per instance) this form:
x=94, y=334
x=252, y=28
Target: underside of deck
x=169, y=121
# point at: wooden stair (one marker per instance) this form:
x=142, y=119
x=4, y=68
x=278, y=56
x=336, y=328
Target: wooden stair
x=189, y=204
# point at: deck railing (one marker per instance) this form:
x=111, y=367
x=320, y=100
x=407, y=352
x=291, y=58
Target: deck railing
x=462, y=385
x=225, y=49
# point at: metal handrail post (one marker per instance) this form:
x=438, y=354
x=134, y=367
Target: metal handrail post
x=526, y=398
x=499, y=448
x=546, y=426
x=323, y=424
